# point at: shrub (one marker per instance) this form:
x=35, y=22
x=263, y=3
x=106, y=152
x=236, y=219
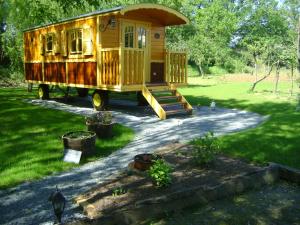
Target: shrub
x=104, y=117
x=205, y=149
x=160, y=173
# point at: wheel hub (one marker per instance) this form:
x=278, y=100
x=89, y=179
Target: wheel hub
x=97, y=100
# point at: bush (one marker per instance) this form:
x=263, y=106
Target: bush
x=160, y=173
x=217, y=70
x=205, y=149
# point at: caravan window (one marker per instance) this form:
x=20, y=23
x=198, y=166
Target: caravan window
x=76, y=41
x=49, y=42
x=129, y=34
x=141, y=37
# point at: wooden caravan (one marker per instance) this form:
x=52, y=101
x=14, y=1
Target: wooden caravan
x=122, y=49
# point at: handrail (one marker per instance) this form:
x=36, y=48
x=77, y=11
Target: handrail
x=154, y=103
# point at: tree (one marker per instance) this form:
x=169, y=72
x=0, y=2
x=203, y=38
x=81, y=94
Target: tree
x=215, y=23
x=265, y=34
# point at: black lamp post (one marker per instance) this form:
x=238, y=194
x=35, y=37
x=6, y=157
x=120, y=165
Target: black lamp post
x=58, y=202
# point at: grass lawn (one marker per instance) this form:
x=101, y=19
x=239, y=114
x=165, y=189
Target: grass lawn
x=276, y=140
x=30, y=138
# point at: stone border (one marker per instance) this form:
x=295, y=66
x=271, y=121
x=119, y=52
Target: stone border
x=202, y=194
x=287, y=173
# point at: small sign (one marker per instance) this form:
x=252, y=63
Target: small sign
x=72, y=156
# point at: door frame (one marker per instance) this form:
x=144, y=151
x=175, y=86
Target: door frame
x=147, y=51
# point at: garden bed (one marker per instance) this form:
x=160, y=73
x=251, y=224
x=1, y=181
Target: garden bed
x=138, y=200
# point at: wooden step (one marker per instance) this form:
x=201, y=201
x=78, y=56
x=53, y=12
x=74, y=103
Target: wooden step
x=169, y=97
x=171, y=104
x=176, y=112
x=158, y=88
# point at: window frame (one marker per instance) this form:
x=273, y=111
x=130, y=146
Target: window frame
x=131, y=35
x=47, y=36
x=78, y=41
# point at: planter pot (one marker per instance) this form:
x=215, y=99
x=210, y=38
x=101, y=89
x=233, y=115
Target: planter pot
x=83, y=141
x=144, y=161
x=102, y=130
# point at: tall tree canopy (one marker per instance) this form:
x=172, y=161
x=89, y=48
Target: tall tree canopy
x=226, y=33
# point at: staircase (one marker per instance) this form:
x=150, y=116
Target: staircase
x=166, y=102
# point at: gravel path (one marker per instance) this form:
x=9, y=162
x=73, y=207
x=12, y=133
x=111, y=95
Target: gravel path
x=28, y=203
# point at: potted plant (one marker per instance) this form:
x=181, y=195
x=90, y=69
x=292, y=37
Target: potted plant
x=101, y=124
x=83, y=141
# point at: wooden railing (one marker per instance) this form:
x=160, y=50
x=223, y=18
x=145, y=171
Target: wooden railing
x=110, y=66
x=176, y=67
x=133, y=66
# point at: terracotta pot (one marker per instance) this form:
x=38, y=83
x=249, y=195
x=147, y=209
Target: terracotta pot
x=102, y=130
x=144, y=161
x=85, y=144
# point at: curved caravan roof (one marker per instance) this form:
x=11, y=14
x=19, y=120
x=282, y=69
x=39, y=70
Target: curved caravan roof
x=165, y=15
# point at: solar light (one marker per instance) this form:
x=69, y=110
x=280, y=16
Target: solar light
x=58, y=202
x=212, y=106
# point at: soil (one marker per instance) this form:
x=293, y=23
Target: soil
x=277, y=205
x=78, y=135
x=140, y=191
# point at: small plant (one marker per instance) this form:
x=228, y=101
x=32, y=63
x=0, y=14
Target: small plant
x=160, y=173
x=205, y=149
x=104, y=117
x=118, y=191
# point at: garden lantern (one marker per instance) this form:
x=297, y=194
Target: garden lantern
x=58, y=202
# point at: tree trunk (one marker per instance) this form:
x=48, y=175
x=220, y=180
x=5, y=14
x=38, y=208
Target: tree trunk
x=255, y=68
x=201, y=70
x=298, y=46
x=276, y=79
x=261, y=79
x=292, y=81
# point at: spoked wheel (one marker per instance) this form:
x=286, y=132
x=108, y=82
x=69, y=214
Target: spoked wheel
x=100, y=100
x=43, y=91
x=82, y=92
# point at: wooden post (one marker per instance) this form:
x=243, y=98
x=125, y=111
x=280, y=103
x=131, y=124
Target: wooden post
x=121, y=65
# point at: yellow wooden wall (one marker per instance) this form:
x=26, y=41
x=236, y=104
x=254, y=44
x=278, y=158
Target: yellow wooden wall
x=157, y=45
x=32, y=40
x=110, y=38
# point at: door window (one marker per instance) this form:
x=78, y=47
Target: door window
x=141, y=32
x=129, y=37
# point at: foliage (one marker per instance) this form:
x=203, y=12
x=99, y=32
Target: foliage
x=104, y=117
x=118, y=191
x=31, y=146
x=160, y=173
x=205, y=149
x=275, y=140
x=231, y=34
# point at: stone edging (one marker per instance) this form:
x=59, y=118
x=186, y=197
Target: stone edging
x=199, y=195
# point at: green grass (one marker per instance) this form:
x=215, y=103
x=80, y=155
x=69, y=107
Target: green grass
x=275, y=140
x=30, y=138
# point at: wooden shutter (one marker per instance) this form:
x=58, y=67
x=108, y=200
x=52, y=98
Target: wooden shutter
x=42, y=44
x=63, y=42
x=87, y=41
x=56, y=43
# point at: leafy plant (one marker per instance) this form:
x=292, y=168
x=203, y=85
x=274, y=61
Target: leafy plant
x=104, y=117
x=160, y=173
x=205, y=149
x=118, y=191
